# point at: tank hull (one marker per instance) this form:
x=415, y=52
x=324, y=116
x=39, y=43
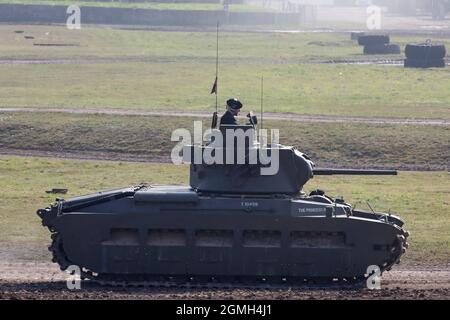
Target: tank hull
x=175, y=231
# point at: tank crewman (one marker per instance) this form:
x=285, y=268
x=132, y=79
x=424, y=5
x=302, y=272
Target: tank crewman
x=233, y=108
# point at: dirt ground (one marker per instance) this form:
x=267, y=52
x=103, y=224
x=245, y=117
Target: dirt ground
x=32, y=280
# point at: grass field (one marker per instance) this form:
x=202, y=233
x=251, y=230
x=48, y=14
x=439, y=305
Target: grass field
x=149, y=5
x=97, y=42
x=148, y=137
x=422, y=199
x=175, y=70
x=307, y=89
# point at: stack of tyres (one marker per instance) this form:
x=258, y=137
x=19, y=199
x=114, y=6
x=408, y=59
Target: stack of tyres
x=356, y=34
x=378, y=44
x=425, y=55
x=368, y=40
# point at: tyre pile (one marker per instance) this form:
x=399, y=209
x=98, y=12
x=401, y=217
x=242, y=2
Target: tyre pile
x=425, y=55
x=376, y=44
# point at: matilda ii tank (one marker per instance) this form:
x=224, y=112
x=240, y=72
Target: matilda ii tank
x=233, y=223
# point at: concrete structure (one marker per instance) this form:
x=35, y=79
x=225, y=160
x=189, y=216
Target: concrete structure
x=16, y=13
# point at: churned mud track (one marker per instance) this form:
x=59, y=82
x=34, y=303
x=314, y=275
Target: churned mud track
x=31, y=280
x=267, y=116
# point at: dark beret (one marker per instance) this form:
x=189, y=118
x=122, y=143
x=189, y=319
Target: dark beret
x=234, y=103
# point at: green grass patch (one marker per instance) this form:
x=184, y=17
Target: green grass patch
x=174, y=70
x=422, y=199
x=372, y=91
x=109, y=42
x=100, y=42
x=148, y=137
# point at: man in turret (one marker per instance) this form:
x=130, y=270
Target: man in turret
x=233, y=108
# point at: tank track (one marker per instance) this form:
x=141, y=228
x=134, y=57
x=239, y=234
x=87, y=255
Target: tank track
x=139, y=281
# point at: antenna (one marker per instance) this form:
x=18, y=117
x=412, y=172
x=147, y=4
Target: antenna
x=368, y=204
x=262, y=100
x=214, y=88
x=217, y=60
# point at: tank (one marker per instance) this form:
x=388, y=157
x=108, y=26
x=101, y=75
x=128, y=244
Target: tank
x=232, y=224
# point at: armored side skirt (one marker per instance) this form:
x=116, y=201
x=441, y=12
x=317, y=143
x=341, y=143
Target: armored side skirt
x=194, y=235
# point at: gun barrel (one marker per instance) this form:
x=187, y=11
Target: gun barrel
x=330, y=172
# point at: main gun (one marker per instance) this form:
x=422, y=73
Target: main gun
x=330, y=172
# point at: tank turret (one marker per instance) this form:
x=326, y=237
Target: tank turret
x=224, y=173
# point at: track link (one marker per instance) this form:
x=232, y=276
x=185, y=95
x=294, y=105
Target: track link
x=259, y=283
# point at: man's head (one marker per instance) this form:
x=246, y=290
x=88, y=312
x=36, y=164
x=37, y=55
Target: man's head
x=234, y=106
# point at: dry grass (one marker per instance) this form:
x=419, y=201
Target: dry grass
x=145, y=137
